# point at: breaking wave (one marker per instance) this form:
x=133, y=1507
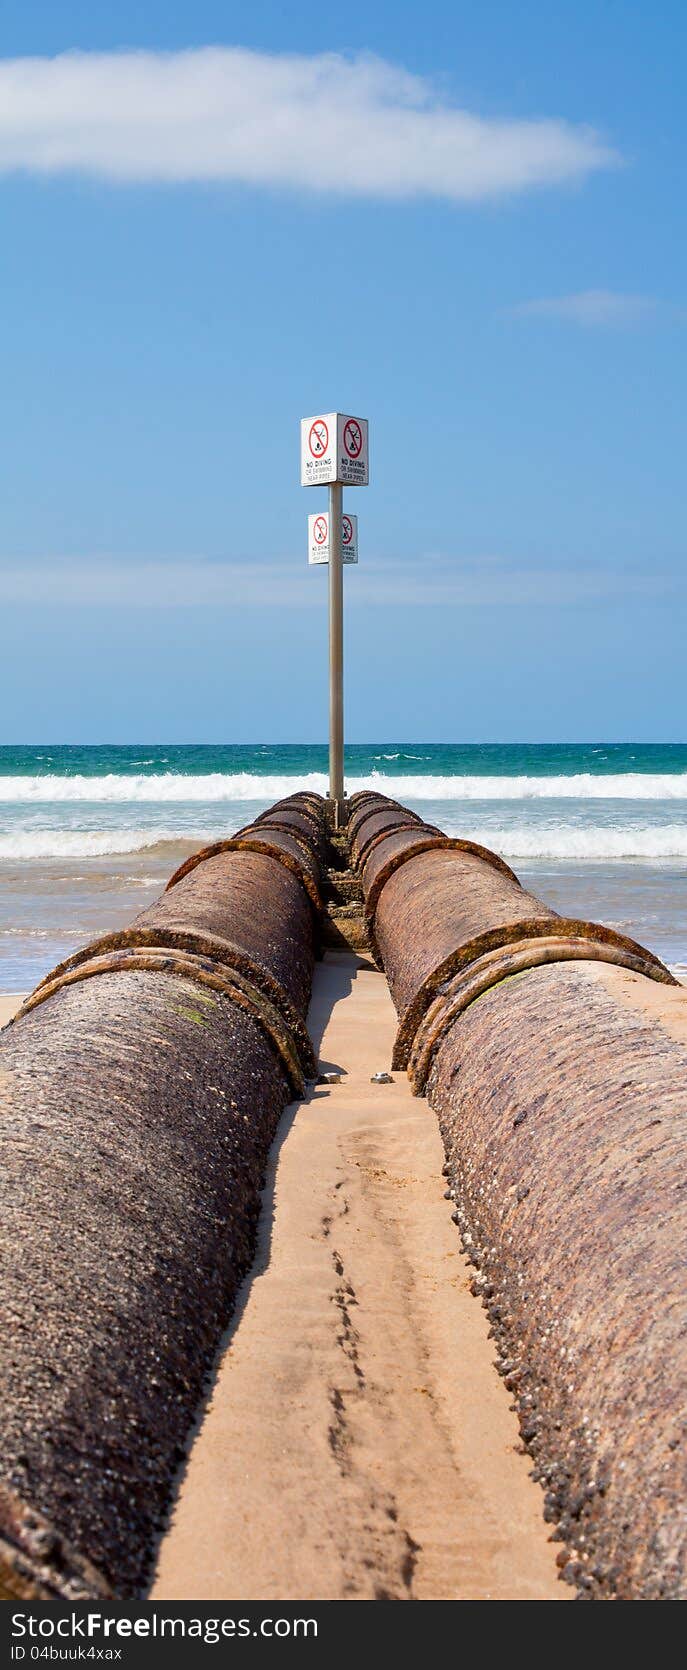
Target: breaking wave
x=593, y=842
x=590, y=843
x=98, y=843
x=218, y=786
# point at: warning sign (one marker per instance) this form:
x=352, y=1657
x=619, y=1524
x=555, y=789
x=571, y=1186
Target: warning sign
x=352, y=451
x=318, y=439
x=334, y=447
x=318, y=538
x=318, y=450
x=352, y=438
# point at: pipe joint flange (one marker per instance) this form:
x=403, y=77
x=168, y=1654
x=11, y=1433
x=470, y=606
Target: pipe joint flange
x=426, y=840
x=203, y=972
x=36, y=1561
x=251, y=841
x=494, y=957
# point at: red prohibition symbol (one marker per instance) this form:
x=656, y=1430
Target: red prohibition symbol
x=347, y=530
x=318, y=439
x=353, y=438
x=320, y=529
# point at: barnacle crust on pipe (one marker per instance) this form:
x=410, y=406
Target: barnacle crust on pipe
x=563, y=1116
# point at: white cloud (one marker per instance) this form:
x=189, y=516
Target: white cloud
x=326, y=123
x=430, y=581
x=589, y=307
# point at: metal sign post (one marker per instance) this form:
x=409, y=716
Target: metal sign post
x=334, y=452
x=336, y=718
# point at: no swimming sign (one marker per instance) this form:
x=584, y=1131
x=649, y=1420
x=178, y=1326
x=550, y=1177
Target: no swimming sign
x=334, y=447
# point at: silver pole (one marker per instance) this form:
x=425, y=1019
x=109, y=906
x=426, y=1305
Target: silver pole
x=336, y=730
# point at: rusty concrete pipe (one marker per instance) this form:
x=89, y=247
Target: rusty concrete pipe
x=562, y=1112
x=285, y=831
x=299, y=814
x=367, y=805
x=396, y=846
x=36, y=1563
x=309, y=799
x=310, y=832
x=355, y=800
x=272, y=842
x=375, y=825
x=310, y=806
x=315, y=805
x=444, y=908
x=569, y=941
x=140, y=1091
x=289, y=849
x=243, y=910
x=563, y=1117
x=356, y=803
x=298, y=818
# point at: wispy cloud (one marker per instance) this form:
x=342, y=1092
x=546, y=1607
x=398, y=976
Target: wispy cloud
x=589, y=307
x=325, y=123
x=431, y=581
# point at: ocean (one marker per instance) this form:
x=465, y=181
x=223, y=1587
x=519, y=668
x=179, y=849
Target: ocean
x=88, y=835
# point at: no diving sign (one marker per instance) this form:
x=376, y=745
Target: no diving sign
x=318, y=538
x=334, y=447
x=353, y=438
x=318, y=439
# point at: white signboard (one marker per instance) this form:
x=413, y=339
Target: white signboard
x=318, y=538
x=334, y=447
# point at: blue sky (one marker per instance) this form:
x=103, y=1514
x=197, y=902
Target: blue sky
x=464, y=222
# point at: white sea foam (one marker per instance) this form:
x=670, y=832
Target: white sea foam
x=585, y=786
x=593, y=842
x=99, y=843
x=219, y=786
x=162, y=788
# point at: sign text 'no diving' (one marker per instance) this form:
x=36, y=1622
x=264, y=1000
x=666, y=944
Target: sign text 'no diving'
x=334, y=448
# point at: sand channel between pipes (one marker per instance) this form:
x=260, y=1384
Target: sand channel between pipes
x=358, y=1442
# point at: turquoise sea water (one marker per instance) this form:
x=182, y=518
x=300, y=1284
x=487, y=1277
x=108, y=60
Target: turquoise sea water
x=88, y=834
x=393, y=758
